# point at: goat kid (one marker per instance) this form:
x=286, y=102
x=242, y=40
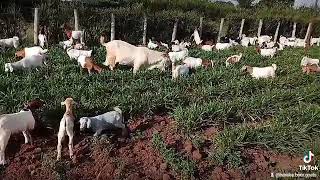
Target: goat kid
x=66, y=127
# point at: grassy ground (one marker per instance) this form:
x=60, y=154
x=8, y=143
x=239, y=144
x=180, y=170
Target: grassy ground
x=280, y=114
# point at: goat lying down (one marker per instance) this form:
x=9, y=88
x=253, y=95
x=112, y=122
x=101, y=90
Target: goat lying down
x=127, y=54
x=109, y=120
x=260, y=72
x=311, y=69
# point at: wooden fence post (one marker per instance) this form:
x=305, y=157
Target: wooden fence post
x=220, y=29
x=36, y=26
x=76, y=20
x=200, y=26
x=308, y=32
x=113, y=31
x=260, y=27
x=174, y=32
x=144, y=37
x=241, y=28
x=294, y=30
x=276, y=33
x=307, y=39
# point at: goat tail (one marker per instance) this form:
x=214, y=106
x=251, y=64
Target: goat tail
x=274, y=66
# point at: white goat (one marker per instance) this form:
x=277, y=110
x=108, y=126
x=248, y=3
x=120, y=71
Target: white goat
x=152, y=45
x=36, y=50
x=261, y=72
x=26, y=63
x=176, y=56
x=66, y=127
x=75, y=53
x=196, y=37
x=77, y=35
x=291, y=42
x=193, y=62
x=109, y=120
x=10, y=42
x=267, y=52
x=245, y=41
x=264, y=38
x=207, y=47
x=22, y=121
x=300, y=43
x=283, y=40
x=223, y=46
x=65, y=44
x=180, y=70
x=315, y=41
x=42, y=40
x=164, y=45
x=306, y=60
x=127, y=54
x=253, y=40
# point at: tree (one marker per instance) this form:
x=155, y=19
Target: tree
x=271, y=3
x=245, y=3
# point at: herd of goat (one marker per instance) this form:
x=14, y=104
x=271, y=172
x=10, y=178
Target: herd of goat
x=137, y=57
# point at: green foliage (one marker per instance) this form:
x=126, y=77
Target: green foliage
x=95, y=17
x=186, y=167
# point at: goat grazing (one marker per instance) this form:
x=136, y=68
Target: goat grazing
x=66, y=127
x=10, y=42
x=177, y=56
x=306, y=60
x=152, y=45
x=233, y=59
x=65, y=44
x=109, y=120
x=207, y=47
x=271, y=52
x=127, y=54
x=180, y=70
x=26, y=63
x=89, y=64
x=194, y=63
x=223, y=46
x=260, y=72
x=75, y=53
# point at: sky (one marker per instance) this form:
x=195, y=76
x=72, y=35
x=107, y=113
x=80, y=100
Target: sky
x=297, y=3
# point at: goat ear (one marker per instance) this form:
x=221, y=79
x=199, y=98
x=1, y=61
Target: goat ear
x=88, y=123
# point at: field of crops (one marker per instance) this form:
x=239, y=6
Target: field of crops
x=280, y=115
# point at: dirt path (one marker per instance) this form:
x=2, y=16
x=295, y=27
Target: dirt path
x=133, y=158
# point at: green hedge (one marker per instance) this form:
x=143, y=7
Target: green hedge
x=95, y=18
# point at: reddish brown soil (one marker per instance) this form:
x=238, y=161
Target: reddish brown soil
x=132, y=158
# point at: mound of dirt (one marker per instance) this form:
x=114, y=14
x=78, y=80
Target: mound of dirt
x=115, y=157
